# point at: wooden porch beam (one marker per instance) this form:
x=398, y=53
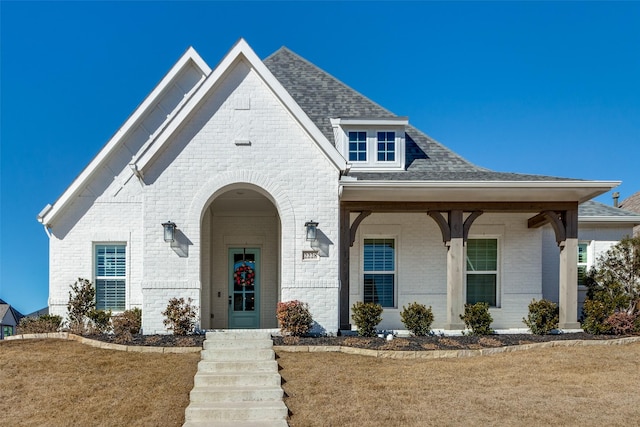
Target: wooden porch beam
x=355, y=225
x=469, y=221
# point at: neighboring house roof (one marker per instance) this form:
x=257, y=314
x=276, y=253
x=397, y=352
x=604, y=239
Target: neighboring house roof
x=592, y=211
x=38, y=313
x=7, y=310
x=632, y=203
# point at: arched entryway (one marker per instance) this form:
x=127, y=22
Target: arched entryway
x=240, y=259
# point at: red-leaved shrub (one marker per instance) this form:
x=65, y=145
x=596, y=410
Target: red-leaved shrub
x=294, y=318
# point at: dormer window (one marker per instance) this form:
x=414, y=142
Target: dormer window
x=357, y=146
x=371, y=144
x=386, y=146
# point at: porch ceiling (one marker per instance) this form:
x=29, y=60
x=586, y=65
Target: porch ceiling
x=474, y=191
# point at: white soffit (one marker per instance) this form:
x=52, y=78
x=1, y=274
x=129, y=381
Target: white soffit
x=474, y=191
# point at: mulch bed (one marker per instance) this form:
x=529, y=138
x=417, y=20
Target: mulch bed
x=467, y=342
x=435, y=342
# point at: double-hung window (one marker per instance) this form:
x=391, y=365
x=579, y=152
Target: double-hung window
x=111, y=280
x=582, y=262
x=357, y=146
x=380, y=271
x=482, y=271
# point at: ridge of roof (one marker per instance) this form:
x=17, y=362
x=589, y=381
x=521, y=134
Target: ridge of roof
x=323, y=96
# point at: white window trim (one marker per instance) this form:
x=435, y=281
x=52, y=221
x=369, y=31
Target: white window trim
x=127, y=257
x=342, y=127
x=498, y=270
x=590, y=255
x=396, y=240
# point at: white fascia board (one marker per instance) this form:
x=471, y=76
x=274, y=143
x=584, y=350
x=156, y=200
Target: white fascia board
x=242, y=50
x=393, y=121
x=579, y=191
x=190, y=56
x=632, y=220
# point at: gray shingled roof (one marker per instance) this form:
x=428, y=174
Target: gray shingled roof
x=323, y=97
x=592, y=208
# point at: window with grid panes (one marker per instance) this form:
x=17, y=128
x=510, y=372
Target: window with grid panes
x=482, y=271
x=386, y=146
x=357, y=146
x=110, y=277
x=379, y=271
x=582, y=262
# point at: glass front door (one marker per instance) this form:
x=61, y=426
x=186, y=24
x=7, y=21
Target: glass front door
x=244, y=288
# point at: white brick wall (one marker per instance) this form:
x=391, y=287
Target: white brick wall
x=200, y=162
x=422, y=264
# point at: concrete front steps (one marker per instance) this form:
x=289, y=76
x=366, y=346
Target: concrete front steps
x=237, y=382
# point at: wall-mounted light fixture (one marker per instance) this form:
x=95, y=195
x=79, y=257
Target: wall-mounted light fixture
x=312, y=230
x=169, y=231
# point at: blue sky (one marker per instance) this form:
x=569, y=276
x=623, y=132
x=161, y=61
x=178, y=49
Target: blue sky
x=532, y=87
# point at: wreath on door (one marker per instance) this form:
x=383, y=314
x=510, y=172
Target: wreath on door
x=244, y=275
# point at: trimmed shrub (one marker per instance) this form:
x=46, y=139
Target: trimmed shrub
x=417, y=318
x=294, y=318
x=126, y=324
x=477, y=318
x=543, y=316
x=39, y=325
x=100, y=321
x=180, y=316
x=595, y=314
x=621, y=323
x=82, y=301
x=366, y=316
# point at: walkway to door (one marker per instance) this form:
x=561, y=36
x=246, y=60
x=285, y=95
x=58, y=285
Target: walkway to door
x=237, y=382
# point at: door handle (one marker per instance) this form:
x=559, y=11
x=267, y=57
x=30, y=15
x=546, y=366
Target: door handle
x=229, y=299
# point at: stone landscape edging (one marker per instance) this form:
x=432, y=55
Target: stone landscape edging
x=106, y=345
x=448, y=354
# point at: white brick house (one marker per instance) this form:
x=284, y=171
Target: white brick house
x=241, y=157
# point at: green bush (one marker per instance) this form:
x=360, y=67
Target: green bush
x=82, y=301
x=417, y=318
x=477, y=318
x=294, y=318
x=39, y=325
x=621, y=323
x=180, y=316
x=543, y=317
x=613, y=287
x=100, y=321
x=595, y=314
x=366, y=317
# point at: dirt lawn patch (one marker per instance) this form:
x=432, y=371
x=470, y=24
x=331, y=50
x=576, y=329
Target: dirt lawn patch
x=594, y=385
x=57, y=382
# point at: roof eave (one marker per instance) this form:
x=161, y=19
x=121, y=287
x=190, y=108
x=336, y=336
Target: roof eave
x=504, y=191
x=50, y=212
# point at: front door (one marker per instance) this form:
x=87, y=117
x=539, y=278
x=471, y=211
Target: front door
x=244, y=288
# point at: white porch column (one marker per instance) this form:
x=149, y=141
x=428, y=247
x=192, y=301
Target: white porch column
x=568, y=289
x=568, y=297
x=455, y=271
x=455, y=281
